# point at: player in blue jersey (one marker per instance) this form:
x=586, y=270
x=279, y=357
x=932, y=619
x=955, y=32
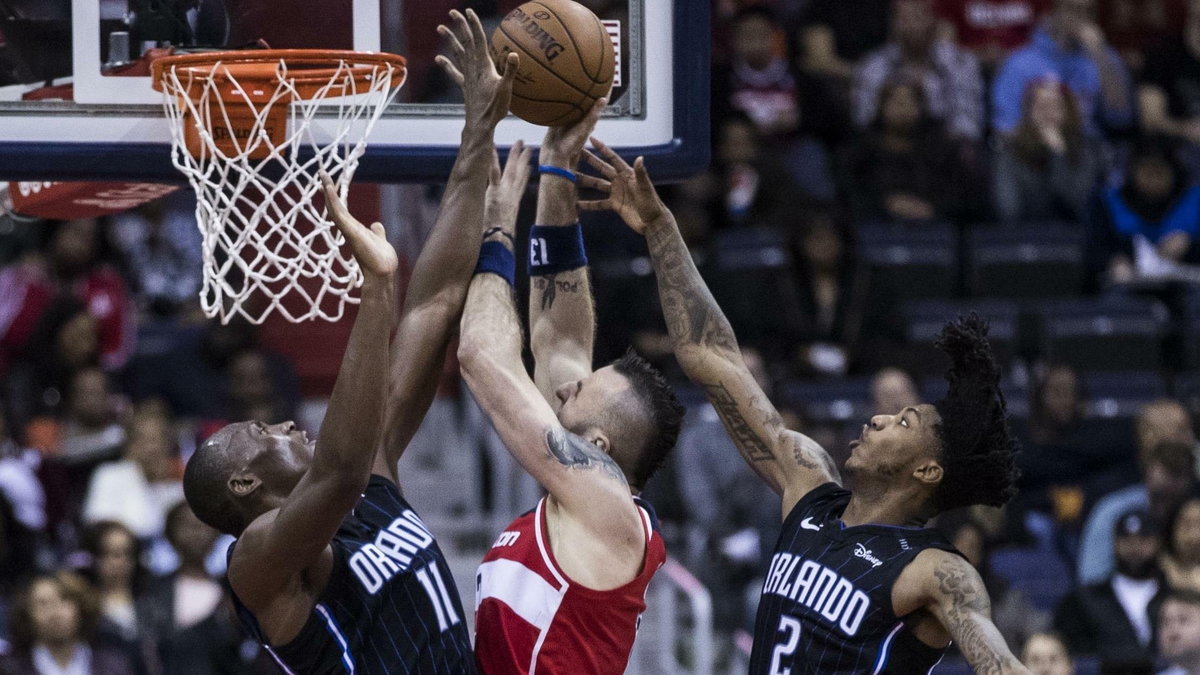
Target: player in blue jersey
x=856, y=583
x=332, y=570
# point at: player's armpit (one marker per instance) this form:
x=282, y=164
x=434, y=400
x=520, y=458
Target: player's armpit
x=952, y=590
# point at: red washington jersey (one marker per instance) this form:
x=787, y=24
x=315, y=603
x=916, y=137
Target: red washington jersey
x=531, y=619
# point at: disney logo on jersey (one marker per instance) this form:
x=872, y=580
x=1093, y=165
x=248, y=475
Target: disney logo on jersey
x=392, y=552
x=863, y=552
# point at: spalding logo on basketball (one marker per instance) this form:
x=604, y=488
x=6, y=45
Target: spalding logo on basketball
x=567, y=60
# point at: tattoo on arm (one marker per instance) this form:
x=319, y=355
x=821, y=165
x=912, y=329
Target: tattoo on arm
x=550, y=287
x=692, y=314
x=751, y=445
x=967, y=611
x=574, y=452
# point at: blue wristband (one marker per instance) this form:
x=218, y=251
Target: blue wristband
x=555, y=248
x=495, y=258
x=557, y=171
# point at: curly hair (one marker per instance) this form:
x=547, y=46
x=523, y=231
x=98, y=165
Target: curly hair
x=978, y=449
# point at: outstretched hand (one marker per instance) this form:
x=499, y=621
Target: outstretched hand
x=504, y=192
x=370, y=246
x=630, y=193
x=486, y=92
x=563, y=145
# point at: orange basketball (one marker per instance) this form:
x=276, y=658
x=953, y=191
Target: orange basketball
x=567, y=60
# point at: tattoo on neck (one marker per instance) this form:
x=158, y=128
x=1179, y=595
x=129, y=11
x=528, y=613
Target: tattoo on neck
x=574, y=452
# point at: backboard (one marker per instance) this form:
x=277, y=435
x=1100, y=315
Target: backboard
x=76, y=101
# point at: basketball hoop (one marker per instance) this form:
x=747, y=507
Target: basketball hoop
x=245, y=131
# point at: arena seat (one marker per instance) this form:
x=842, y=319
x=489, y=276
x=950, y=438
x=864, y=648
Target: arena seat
x=908, y=261
x=1110, y=333
x=842, y=401
x=753, y=278
x=1039, y=573
x=1121, y=394
x=923, y=321
x=1033, y=260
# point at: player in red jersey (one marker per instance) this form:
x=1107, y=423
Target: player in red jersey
x=563, y=587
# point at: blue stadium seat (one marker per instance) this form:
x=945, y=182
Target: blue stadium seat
x=1120, y=395
x=923, y=321
x=1034, y=260
x=1039, y=573
x=909, y=261
x=753, y=278
x=1111, y=333
x=846, y=400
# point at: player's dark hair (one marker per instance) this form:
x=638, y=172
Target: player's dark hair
x=204, y=487
x=664, y=411
x=978, y=450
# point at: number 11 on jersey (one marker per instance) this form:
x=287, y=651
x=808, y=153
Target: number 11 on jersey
x=790, y=627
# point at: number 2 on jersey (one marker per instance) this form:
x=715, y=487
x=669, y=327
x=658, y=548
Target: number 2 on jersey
x=790, y=627
x=431, y=578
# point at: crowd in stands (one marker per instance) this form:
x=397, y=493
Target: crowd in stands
x=878, y=166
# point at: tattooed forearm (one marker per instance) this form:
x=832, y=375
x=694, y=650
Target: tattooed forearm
x=551, y=286
x=966, y=612
x=574, y=452
x=751, y=445
x=692, y=315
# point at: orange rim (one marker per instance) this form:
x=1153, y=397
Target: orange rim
x=309, y=70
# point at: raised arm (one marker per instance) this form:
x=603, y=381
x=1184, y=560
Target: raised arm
x=286, y=541
x=705, y=346
x=442, y=273
x=582, y=478
x=950, y=588
x=562, y=315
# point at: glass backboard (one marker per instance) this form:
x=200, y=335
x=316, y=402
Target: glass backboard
x=76, y=101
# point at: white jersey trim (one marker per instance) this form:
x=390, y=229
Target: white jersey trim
x=522, y=590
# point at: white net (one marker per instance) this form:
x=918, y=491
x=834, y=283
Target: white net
x=268, y=248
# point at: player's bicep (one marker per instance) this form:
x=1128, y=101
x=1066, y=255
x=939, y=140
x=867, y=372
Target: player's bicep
x=790, y=462
x=575, y=471
x=284, y=542
x=957, y=597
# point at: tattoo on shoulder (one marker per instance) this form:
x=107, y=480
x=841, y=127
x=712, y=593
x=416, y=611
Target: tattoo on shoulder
x=752, y=446
x=574, y=452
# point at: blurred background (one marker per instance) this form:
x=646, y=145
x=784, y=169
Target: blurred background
x=879, y=166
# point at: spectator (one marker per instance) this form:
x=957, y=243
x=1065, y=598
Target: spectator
x=18, y=481
x=1181, y=560
x=53, y=629
x=69, y=267
x=831, y=294
x=756, y=191
x=91, y=432
x=116, y=571
x=835, y=34
x=1168, y=473
x=161, y=248
x=137, y=490
x=1048, y=169
x=893, y=390
x=1113, y=620
x=991, y=30
x=1179, y=633
x=18, y=551
x=758, y=81
x=1046, y=654
x=199, y=634
x=1148, y=225
x=253, y=392
x=1067, y=45
x=1169, y=96
x=949, y=77
x=904, y=169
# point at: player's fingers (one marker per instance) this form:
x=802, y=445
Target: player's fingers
x=452, y=40
x=512, y=61
x=610, y=155
x=462, y=29
x=377, y=228
x=452, y=72
x=598, y=164
x=495, y=174
x=333, y=202
x=643, y=176
x=593, y=115
x=514, y=156
x=524, y=166
x=594, y=183
x=477, y=34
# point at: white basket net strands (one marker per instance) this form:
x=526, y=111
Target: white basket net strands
x=267, y=247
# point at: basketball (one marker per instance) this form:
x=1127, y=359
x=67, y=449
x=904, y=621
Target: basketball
x=567, y=60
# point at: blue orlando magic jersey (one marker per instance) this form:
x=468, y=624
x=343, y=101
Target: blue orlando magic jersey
x=826, y=604
x=390, y=606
